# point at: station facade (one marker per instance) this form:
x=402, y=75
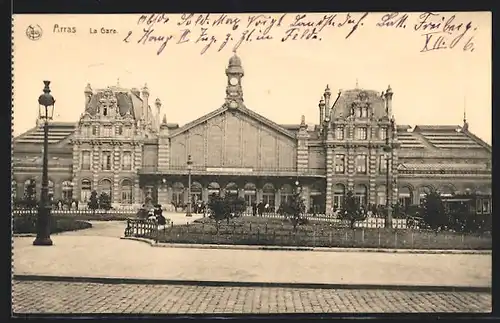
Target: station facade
x=121, y=146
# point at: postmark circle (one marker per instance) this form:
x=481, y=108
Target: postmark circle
x=34, y=32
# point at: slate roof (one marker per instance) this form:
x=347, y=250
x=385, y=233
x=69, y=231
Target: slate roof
x=58, y=132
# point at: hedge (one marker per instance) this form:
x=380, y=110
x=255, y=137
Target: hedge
x=259, y=231
x=57, y=224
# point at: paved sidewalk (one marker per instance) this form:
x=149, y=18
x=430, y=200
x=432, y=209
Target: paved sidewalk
x=77, y=298
x=91, y=255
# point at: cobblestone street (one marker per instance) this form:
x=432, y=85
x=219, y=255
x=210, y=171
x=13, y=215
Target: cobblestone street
x=62, y=297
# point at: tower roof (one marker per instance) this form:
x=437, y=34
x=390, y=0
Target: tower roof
x=235, y=60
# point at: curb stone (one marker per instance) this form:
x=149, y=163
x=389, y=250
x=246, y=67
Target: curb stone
x=152, y=243
x=145, y=281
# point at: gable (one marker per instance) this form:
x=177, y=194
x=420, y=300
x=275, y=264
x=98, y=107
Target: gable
x=244, y=111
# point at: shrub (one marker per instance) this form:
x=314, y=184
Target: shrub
x=294, y=209
x=351, y=210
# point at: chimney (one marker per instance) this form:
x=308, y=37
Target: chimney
x=321, y=106
x=327, y=96
x=88, y=95
x=158, y=107
x=145, y=102
x=388, y=101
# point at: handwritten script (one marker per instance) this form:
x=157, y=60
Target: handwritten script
x=438, y=31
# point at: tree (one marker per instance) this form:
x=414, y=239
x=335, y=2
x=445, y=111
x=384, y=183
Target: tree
x=434, y=212
x=104, y=201
x=293, y=209
x=93, y=202
x=351, y=210
x=220, y=209
x=30, y=195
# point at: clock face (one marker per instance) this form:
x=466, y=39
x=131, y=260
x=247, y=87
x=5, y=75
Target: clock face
x=233, y=81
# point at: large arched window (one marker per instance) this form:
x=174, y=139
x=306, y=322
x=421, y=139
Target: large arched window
x=338, y=196
x=405, y=196
x=250, y=194
x=286, y=193
x=196, y=190
x=178, y=193
x=381, y=195
x=231, y=189
x=268, y=195
x=126, y=190
x=360, y=193
x=86, y=189
x=105, y=186
x=67, y=190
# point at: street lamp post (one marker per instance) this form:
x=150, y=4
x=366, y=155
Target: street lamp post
x=189, y=166
x=46, y=110
x=388, y=149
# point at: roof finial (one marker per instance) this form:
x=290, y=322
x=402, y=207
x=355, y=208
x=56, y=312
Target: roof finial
x=465, y=107
x=357, y=84
x=118, y=82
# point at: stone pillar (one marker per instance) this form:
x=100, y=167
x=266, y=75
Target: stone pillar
x=329, y=181
x=204, y=194
x=115, y=198
x=137, y=194
x=259, y=195
x=241, y=192
x=163, y=195
x=96, y=166
x=351, y=169
x=76, y=171
x=306, y=196
x=394, y=177
x=163, y=147
x=277, y=197
x=373, y=171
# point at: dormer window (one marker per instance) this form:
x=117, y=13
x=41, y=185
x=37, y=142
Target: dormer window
x=383, y=133
x=364, y=112
x=339, y=133
x=107, y=131
x=105, y=111
x=361, y=133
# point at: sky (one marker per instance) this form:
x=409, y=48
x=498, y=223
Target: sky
x=283, y=79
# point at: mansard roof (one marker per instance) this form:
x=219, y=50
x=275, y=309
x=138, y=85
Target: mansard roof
x=342, y=106
x=128, y=100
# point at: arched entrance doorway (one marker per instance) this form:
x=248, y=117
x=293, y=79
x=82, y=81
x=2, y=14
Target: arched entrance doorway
x=196, y=190
x=316, y=199
x=268, y=195
x=231, y=190
x=178, y=194
x=213, y=190
x=405, y=197
x=286, y=193
x=360, y=194
x=85, y=190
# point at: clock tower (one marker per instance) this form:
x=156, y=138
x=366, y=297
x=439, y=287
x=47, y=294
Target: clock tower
x=234, y=73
